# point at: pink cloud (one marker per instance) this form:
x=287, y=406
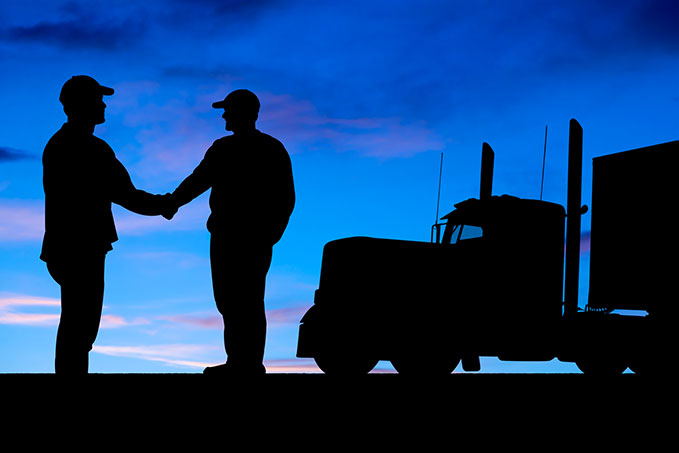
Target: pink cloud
x=8, y=301
x=115, y=321
x=183, y=260
x=300, y=123
x=183, y=355
x=18, y=309
x=200, y=321
x=22, y=220
x=173, y=133
x=305, y=366
x=291, y=366
x=289, y=315
x=585, y=243
x=15, y=310
x=193, y=216
x=195, y=356
x=288, y=288
x=29, y=319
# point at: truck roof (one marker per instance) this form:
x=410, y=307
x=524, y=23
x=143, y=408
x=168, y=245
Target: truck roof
x=480, y=211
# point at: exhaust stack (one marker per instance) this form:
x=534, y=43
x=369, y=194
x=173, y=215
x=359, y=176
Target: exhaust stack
x=487, y=163
x=574, y=210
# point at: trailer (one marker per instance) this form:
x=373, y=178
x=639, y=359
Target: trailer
x=503, y=278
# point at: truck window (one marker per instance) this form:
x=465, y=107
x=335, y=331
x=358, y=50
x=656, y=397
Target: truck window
x=470, y=232
x=464, y=232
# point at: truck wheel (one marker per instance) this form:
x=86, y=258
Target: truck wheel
x=648, y=364
x=420, y=365
x=600, y=365
x=344, y=365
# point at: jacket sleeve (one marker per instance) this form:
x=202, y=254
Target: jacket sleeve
x=196, y=183
x=283, y=197
x=129, y=197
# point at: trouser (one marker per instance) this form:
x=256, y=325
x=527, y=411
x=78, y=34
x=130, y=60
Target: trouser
x=82, y=296
x=238, y=281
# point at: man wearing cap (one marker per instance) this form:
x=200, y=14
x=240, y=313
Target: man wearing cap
x=251, y=201
x=81, y=178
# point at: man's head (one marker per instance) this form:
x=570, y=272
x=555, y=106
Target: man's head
x=241, y=110
x=83, y=99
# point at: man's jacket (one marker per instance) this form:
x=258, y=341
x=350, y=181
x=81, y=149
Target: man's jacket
x=81, y=178
x=253, y=193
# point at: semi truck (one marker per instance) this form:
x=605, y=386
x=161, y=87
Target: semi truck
x=503, y=279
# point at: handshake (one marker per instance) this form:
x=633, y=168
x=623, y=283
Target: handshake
x=168, y=206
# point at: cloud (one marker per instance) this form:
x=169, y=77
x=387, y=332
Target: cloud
x=413, y=70
x=444, y=60
x=290, y=286
x=189, y=217
x=211, y=18
x=382, y=137
x=384, y=89
x=212, y=321
x=288, y=315
x=276, y=316
x=195, y=356
x=653, y=23
x=26, y=310
x=299, y=365
x=291, y=366
x=234, y=9
x=22, y=220
x=115, y=322
x=16, y=309
x=183, y=355
x=206, y=74
x=585, y=242
x=82, y=28
x=174, y=135
x=183, y=260
x=8, y=154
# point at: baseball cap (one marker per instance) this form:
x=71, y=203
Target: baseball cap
x=82, y=87
x=239, y=98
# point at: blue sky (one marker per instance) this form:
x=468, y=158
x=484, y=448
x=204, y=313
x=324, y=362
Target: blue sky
x=365, y=95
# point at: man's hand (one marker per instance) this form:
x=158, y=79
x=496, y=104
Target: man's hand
x=169, y=208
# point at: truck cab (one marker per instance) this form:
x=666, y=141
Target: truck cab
x=514, y=286
x=493, y=286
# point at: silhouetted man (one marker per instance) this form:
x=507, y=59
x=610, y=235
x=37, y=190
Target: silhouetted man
x=81, y=178
x=252, y=198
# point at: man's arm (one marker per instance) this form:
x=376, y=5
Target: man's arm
x=195, y=184
x=138, y=201
x=283, y=197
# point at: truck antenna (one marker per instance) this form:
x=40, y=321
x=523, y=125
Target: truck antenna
x=544, y=158
x=437, y=226
x=438, y=198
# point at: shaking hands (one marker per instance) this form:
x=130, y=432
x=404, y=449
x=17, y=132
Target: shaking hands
x=169, y=206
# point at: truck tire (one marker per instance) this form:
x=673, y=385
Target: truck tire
x=601, y=365
x=338, y=364
x=648, y=364
x=422, y=365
